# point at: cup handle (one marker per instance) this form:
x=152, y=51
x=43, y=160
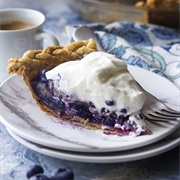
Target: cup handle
x=45, y=35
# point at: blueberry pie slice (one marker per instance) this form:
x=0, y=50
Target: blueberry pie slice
x=77, y=83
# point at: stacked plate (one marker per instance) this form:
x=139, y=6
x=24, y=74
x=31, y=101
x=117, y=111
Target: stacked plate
x=67, y=140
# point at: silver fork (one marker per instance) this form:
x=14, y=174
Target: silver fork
x=157, y=111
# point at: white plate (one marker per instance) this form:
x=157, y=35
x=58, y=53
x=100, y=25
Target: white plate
x=21, y=115
x=111, y=157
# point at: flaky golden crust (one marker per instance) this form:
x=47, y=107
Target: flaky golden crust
x=33, y=61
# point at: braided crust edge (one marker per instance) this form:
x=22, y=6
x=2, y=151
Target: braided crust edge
x=35, y=60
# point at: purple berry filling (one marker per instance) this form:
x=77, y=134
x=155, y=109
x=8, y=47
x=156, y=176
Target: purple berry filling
x=62, y=104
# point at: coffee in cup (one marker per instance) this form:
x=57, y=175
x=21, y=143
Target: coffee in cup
x=15, y=25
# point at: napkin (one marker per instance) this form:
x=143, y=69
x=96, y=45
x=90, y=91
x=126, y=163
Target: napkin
x=148, y=46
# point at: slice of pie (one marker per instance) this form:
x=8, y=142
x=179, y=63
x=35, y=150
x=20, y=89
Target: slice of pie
x=77, y=83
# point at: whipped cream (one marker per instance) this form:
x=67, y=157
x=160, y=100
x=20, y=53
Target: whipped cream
x=100, y=78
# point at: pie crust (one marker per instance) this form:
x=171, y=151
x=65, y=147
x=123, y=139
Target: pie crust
x=33, y=61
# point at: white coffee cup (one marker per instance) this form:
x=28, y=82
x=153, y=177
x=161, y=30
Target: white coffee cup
x=14, y=41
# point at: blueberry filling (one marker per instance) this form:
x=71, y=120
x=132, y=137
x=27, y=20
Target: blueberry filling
x=110, y=103
x=64, y=104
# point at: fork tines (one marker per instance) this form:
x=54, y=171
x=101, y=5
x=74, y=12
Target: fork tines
x=159, y=112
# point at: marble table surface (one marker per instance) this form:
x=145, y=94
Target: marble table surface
x=15, y=158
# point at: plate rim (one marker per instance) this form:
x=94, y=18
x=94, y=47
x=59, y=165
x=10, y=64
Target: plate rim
x=138, y=155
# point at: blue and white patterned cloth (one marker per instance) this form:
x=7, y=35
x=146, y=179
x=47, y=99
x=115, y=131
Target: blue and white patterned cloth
x=150, y=47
